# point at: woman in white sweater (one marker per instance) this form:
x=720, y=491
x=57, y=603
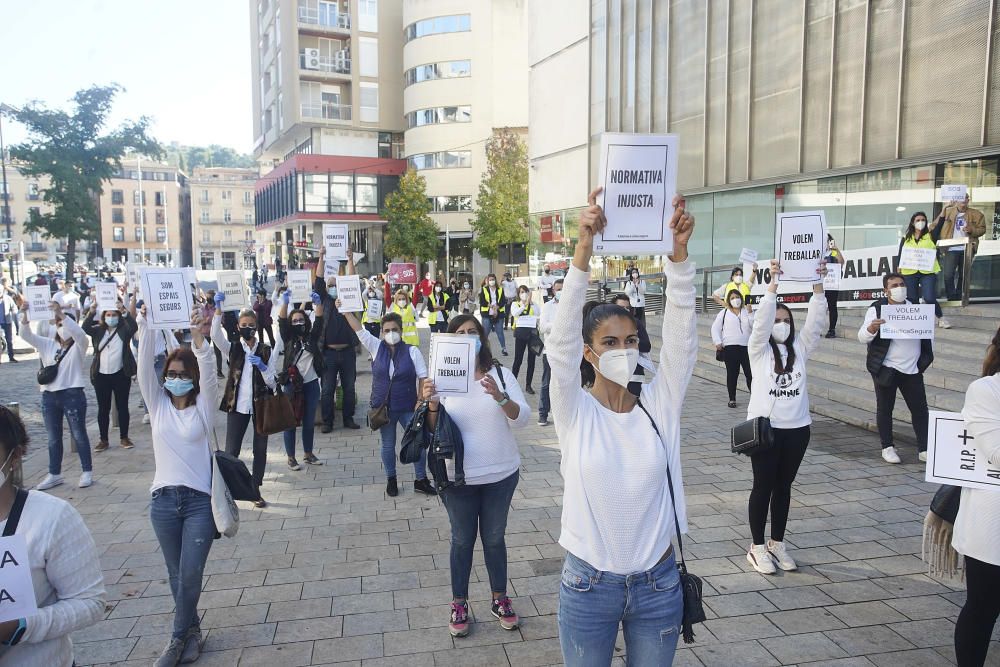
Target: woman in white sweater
x=977, y=527
x=731, y=335
x=181, y=414
x=64, y=396
x=635, y=289
x=619, y=512
x=486, y=417
x=65, y=569
x=780, y=391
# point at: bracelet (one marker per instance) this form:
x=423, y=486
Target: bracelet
x=429, y=410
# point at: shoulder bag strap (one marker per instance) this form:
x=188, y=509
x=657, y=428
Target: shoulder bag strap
x=104, y=345
x=670, y=482
x=215, y=435
x=499, y=368
x=15, y=513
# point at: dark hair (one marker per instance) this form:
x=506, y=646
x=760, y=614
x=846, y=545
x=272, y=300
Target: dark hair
x=829, y=237
x=485, y=360
x=299, y=311
x=737, y=293
x=393, y=317
x=594, y=314
x=738, y=269
x=186, y=357
x=991, y=364
x=13, y=435
x=622, y=297
x=789, y=345
x=910, y=229
x=889, y=276
x=558, y=281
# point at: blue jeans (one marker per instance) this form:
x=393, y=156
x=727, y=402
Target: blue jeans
x=185, y=528
x=490, y=325
x=388, y=433
x=310, y=396
x=922, y=286
x=544, y=404
x=9, y=339
x=481, y=508
x=71, y=403
x=649, y=605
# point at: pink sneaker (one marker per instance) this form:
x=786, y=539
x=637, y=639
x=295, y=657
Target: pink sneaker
x=459, y=625
x=504, y=610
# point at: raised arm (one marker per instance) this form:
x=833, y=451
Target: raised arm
x=980, y=415
x=149, y=384
x=817, y=319
x=763, y=320
x=219, y=337
x=79, y=336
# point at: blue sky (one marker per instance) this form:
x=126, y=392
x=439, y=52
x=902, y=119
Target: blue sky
x=183, y=63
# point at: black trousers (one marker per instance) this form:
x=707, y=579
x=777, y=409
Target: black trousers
x=912, y=389
x=773, y=473
x=236, y=428
x=265, y=331
x=979, y=615
x=831, y=306
x=341, y=365
x=736, y=357
x=117, y=384
x=520, y=347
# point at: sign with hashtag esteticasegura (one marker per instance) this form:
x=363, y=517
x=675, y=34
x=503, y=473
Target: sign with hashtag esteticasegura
x=952, y=456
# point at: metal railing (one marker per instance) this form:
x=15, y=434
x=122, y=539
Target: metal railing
x=656, y=284
x=327, y=111
x=326, y=19
x=327, y=64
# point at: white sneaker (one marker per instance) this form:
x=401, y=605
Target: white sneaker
x=760, y=559
x=922, y=456
x=780, y=554
x=543, y=422
x=86, y=479
x=145, y=418
x=889, y=455
x=49, y=482
x=943, y=323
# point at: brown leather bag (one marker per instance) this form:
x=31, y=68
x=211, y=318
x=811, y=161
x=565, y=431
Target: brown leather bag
x=273, y=413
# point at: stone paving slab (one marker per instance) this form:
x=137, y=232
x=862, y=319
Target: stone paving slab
x=334, y=572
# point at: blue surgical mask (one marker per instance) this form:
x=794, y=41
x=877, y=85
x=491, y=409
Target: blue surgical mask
x=112, y=322
x=332, y=291
x=479, y=343
x=178, y=386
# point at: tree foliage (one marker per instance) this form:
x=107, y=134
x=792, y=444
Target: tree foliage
x=502, y=204
x=186, y=158
x=78, y=156
x=410, y=232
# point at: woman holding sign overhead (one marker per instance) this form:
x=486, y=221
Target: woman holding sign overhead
x=112, y=369
x=301, y=358
x=623, y=500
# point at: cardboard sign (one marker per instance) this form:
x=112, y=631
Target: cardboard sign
x=801, y=243
x=331, y=269
x=402, y=274
x=38, y=298
x=917, y=259
x=107, y=296
x=231, y=284
x=527, y=321
x=952, y=456
x=17, y=593
x=132, y=271
x=908, y=322
x=349, y=293
x=639, y=175
x=748, y=256
x=453, y=359
x=335, y=241
x=954, y=192
x=374, y=310
x=300, y=285
x=168, y=298
x=831, y=281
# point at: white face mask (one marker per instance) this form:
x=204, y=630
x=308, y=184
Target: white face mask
x=735, y=303
x=493, y=283
x=524, y=297
x=557, y=295
x=393, y=338
x=738, y=279
x=618, y=366
x=401, y=303
x=781, y=331
x=831, y=245
x=898, y=294
x=920, y=225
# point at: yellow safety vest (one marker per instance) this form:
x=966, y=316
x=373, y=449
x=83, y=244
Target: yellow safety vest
x=925, y=243
x=410, y=336
x=433, y=314
x=364, y=317
x=530, y=312
x=742, y=288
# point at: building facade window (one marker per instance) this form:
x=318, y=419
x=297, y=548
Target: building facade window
x=227, y=195
x=137, y=216
x=369, y=102
x=368, y=56
x=248, y=235
x=140, y=233
x=450, y=203
x=159, y=198
x=160, y=216
x=248, y=218
x=227, y=236
x=117, y=198
x=205, y=198
x=248, y=198
x=441, y=160
x=229, y=261
x=137, y=197
x=118, y=216
x=437, y=25
x=161, y=234
x=33, y=192
x=118, y=234
x=204, y=219
x=208, y=261
x=438, y=115
x=227, y=215
x=206, y=236
x=451, y=69
x=368, y=15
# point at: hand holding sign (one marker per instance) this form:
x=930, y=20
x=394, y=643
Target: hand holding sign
x=801, y=241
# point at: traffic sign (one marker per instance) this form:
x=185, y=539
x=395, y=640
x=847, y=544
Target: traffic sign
x=4, y=246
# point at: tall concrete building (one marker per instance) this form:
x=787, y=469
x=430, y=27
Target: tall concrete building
x=222, y=218
x=860, y=108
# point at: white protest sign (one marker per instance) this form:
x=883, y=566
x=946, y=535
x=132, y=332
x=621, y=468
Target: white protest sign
x=231, y=284
x=168, y=298
x=748, y=256
x=908, y=321
x=38, y=298
x=331, y=269
x=452, y=367
x=132, y=271
x=832, y=279
x=107, y=296
x=639, y=175
x=17, y=593
x=917, y=259
x=952, y=456
x=349, y=293
x=374, y=310
x=527, y=321
x=801, y=238
x=335, y=241
x=953, y=192
x=300, y=285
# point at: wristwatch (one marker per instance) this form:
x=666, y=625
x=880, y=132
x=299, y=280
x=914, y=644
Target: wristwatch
x=22, y=625
x=504, y=401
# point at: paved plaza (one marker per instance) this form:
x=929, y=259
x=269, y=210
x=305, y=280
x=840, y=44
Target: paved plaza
x=336, y=572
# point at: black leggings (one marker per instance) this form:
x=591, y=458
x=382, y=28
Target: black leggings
x=520, y=347
x=736, y=356
x=118, y=384
x=831, y=306
x=773, y=473
x=979, y=615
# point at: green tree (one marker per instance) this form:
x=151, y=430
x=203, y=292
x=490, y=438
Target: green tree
x=410, y=233
x=502, y=204
x=186, y=158
x=78, y=156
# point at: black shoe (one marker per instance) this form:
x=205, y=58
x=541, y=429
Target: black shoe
x=351, y=424
x=311, y=459
x=831, y=334
x=732, y=404
x=503, y=352
x=16, y=361
x=326, y=428
x=391, y=488
x=529, y=390
x=425, y=487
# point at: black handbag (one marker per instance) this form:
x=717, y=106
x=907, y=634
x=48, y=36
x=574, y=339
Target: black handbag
x=238, y=478
x=379, y=416
x=946, y=501
x=48, y=374
x=752, y=436
x=535, y=345
x=694, y=609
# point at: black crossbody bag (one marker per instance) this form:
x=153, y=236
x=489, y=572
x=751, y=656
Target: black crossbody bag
x=694, y=611
x=48, y=374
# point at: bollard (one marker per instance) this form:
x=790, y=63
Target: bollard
x=17, y=472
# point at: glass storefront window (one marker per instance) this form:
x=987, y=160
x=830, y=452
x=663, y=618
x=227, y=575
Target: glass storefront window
x=984, y=194
x=367, y=194
x=823, y=194
x=879, y=204
x=743, y=219
x=316, y=193
x=341, y=194
x=700, y=247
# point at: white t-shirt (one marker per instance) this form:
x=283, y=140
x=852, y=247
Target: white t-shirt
x=70, y=374
x=977, y=527
x=731, y=329
x=903, y=354
x=111, y=353
x=372, y=344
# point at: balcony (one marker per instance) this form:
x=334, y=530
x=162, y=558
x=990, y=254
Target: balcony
x=327, y=111
x=324, y=16
x=338, y=65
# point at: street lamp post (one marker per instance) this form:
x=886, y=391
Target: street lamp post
x=6, y=191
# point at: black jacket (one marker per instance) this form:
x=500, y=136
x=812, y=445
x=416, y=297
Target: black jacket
x=293, y=345
x=126, y=330
x=879, y=347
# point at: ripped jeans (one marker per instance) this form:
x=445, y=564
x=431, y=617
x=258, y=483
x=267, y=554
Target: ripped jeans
x=592, y=603
x=184, y=526
x=70, y=404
